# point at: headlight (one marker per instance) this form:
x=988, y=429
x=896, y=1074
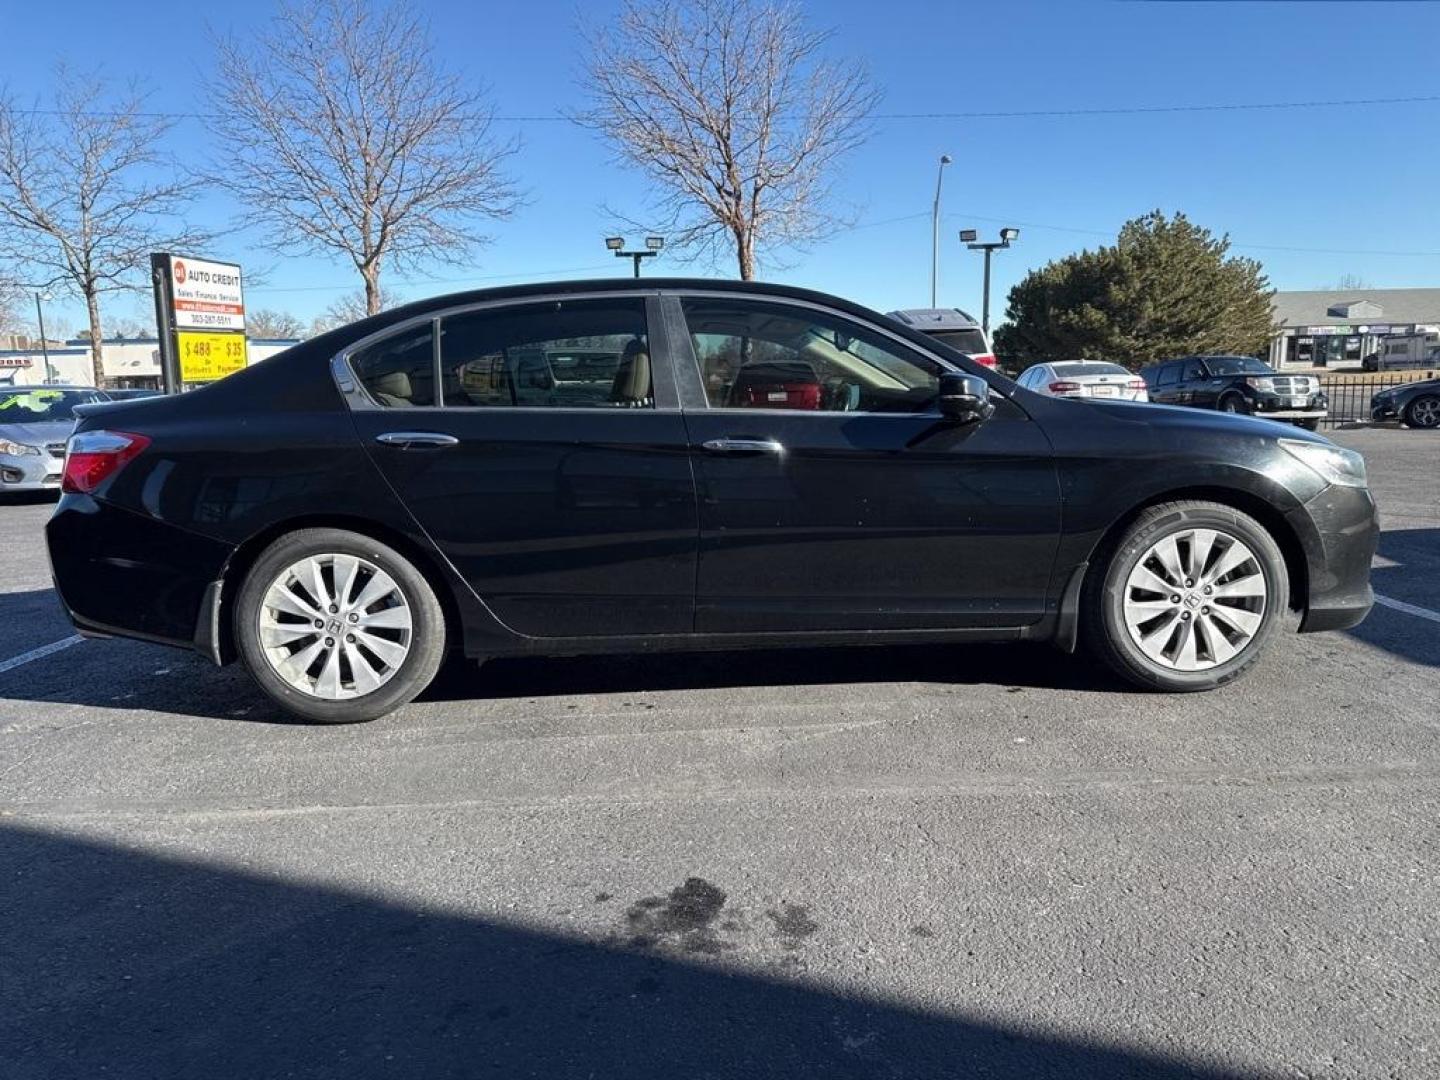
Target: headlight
x=1335, y=464
x=17, y=449
x=1267, y=385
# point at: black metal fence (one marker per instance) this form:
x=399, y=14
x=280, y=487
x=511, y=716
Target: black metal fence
x=1350, y=394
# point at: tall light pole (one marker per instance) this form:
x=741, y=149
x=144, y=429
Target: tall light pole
x=653, y=244
x=968, y=237
x=945, y=159
x=44, y=345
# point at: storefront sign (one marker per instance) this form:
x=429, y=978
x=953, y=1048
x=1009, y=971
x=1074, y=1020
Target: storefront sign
x=207, y=357
x=16, y=362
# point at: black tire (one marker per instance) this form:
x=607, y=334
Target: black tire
x=427, y=633
x=1233, y=403
x=1102, y=601
x=1308, y=425
x=1427, y=416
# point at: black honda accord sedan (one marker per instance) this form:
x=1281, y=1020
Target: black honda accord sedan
x=610, y=466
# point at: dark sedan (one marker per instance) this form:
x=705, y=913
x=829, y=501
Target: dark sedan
x=1416, y=404
x=732, y=465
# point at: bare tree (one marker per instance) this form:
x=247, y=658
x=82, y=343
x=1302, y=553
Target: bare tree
x=353, y=307
x=730, y=107
x=1350, y=283
x=269, y=323
x=86, y=193
x=341, y=131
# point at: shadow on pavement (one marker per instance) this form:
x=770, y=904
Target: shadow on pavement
x=1413, y=577
x=122, y=964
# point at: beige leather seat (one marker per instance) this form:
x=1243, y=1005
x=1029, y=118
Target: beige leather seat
x=393, y=390
x=632, y=377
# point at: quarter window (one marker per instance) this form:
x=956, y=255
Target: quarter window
x=758, y=355
x=399, y=371
x=569, y=354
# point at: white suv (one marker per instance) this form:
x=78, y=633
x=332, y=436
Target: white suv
x=952, y=327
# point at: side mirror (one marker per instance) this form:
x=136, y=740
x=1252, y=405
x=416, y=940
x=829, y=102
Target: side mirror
x=965, y=399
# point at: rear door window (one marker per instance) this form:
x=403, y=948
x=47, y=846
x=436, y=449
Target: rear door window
x=573, y=354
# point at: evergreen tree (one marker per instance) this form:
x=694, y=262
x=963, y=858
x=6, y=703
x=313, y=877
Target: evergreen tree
x=1166, y=288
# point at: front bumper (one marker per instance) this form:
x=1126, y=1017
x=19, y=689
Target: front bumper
x=1338, y=530
x=1281, y=407
x=1383, y=409
x=30, y=472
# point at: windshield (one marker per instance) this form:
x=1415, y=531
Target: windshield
x=39, y=406
x=1237, y=365
x=1069, y=371
x=966, y=341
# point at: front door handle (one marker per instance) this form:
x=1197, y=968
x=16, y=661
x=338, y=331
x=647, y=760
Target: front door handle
x=743, y=446
x=417, y=440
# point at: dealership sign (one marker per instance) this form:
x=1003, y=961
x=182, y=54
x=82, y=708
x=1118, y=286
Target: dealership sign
x=200, y=309
x=207, y=295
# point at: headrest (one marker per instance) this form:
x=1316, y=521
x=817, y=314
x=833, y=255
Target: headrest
x=392, y=384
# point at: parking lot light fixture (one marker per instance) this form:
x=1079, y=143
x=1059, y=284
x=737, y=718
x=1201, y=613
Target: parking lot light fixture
x=945, y=159
x=971, y=239
x=653, y=244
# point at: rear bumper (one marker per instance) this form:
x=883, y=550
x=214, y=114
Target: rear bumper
x=123, y=574
x=1338, y=529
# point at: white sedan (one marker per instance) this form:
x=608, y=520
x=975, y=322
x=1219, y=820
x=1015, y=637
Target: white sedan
x=1087, y=379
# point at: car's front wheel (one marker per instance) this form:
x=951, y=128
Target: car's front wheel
x=1187, y=597
x=1423, y=412
x=337, y=627
x=1233, y=403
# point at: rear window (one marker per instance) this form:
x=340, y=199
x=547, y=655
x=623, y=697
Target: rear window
x=1066, y=371
x=966, y=341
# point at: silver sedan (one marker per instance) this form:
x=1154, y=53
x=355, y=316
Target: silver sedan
x=35, y=422
x=1085, y=379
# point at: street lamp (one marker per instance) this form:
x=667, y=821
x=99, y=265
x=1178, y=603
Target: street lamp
x=945, y=159
x=653, y=244
x=44, y=345
x=970, y=238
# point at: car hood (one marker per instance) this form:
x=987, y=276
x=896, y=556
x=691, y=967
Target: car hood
x=38, y=434
x=1421, y=384
x=1180, y=417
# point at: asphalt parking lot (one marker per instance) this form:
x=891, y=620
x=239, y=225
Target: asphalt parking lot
x=920, y=862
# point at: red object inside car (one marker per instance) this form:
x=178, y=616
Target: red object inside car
x=984, y=359
x=776, y=386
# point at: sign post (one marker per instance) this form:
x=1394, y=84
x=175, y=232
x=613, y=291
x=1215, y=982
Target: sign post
x=200, y=313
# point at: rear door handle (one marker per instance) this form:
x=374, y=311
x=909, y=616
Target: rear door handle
x=743, y=446
x=417, y=440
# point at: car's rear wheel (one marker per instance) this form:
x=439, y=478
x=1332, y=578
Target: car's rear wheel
x=1187, y=597
x=1423, y=412
x=337, y=627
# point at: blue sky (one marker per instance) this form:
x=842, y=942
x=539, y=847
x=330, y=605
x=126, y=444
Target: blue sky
x=1355, y=185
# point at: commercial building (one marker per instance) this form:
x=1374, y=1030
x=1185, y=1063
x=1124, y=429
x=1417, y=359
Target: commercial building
x=128, y=362
x=1340, y=327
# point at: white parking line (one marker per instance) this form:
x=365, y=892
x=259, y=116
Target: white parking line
x=40, y=653
x=1394, y=605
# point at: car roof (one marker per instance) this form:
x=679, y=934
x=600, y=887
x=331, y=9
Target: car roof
x=935, y=318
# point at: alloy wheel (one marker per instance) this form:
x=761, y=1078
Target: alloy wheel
x=335, y=626
x=1425, y=412
x=1195, y=599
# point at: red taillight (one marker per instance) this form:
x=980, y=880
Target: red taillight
x=94, y=456
x=1136, y=384
x=1064, y=387
x=984, y=359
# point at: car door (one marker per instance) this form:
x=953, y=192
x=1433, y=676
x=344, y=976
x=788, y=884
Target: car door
x=543, y=451
x=1165, y=384
x=832, y=496
x=1197, y=386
